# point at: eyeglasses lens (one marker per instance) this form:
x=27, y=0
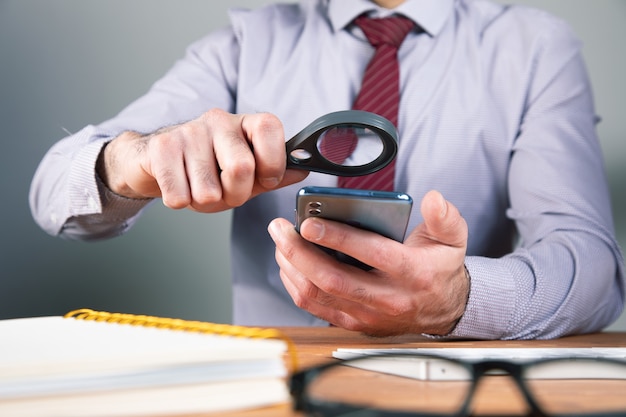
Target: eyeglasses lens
x=584, y=386
x=357, y=385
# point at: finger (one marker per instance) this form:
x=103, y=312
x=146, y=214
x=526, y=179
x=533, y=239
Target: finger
x=201, y=167
x=292, y=250
x=266, y=136
x=309, y=297
x=291, y=176
x=443, y=223
x=348, y=314
x=340, y=294
x=295, y=249
x=375, y=250
x=234, y=157
x=206, y=190
x=324, y=271
x=310, y=260
x=304, y=293
x=167, y=166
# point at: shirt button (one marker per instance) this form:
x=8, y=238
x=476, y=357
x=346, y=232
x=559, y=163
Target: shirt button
x=91, y=203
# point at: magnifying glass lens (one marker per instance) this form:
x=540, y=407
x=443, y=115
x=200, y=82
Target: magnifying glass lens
x=349, y=145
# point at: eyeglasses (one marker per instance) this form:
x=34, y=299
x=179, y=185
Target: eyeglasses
x=402, y=385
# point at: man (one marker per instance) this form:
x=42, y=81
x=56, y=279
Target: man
x=513, y=237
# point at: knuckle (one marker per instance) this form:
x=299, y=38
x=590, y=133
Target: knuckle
x=162, y=143
x=175, y=201
x=385, y=253
x=168, y=144
x=335, y=236
x=303, y=298
x=300, y=301
x=207, y=196
x=333, y=283
x=309, y=291
x=189, y=131
x=234, y=200
x=362, y=296
x=364, y=322
x=326, y=300
x=391, y=256
x=287, y=250
x=240, y=168
x=213, y=115
x=267, y=123
x=336, y=284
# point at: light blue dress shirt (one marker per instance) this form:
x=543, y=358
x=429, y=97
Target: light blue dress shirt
x=496, y=113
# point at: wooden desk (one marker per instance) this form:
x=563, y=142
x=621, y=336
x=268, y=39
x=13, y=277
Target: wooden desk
x=315, y=346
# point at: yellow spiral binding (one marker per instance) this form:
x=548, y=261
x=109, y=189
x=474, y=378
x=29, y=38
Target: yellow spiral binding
x=188, y=326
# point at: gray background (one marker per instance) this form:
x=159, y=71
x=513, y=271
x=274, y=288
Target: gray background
x=68, y=63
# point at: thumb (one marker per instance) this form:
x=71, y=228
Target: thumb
x=291, y=176
x=442, y=224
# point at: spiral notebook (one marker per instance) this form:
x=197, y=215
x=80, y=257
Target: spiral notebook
x=91, y=363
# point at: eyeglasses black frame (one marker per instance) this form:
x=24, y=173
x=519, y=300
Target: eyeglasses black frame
x=300, y=381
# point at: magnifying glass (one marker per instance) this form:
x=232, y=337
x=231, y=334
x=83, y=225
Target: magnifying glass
x=346, y=143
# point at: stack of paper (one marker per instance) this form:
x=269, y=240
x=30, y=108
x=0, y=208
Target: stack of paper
x=54, y=366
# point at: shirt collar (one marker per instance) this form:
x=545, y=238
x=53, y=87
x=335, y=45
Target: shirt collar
x=430, y=15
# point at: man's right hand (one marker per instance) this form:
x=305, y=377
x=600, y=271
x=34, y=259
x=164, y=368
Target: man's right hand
x=213, y=163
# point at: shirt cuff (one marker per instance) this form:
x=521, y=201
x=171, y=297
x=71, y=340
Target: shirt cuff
x=491, y=300
x=89, y=195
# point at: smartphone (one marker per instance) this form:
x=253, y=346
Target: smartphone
x=384, y=212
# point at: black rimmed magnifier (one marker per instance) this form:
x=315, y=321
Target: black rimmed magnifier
x=345, y=143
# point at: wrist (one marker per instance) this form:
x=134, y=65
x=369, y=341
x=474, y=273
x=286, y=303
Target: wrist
x=108, y=170
x=462, y=291
x=464, y=297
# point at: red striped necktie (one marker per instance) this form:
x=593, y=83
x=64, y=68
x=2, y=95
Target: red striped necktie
x=380, y=89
